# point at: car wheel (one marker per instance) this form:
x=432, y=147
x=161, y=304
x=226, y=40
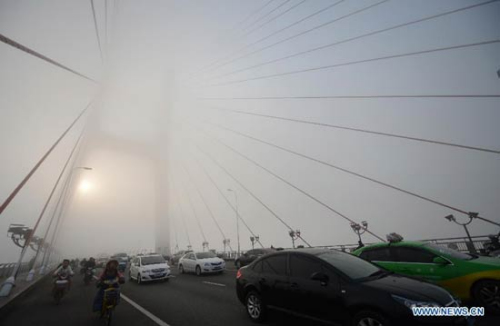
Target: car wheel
x=198, y=270
x=487, y=294
x=369, y=318
x=139, y=281
x=256, y=308
x=237, y=264
x=181, y=269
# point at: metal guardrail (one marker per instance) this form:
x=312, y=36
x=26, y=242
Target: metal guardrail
x=7, y=269
x=461, y=244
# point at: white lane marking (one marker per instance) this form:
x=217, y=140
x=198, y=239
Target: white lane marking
x=212, y=283
x=144, y=311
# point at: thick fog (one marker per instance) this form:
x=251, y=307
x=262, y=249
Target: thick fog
x=193, y=98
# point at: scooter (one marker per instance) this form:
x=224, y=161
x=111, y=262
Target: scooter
x=89, y=275
x=60, y=286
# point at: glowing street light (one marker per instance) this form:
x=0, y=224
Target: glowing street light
x=85, y=186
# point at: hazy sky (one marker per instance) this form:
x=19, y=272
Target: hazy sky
x=151, y=117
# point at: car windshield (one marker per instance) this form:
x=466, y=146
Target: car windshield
x=150, y=260
x=203, y=255
x=352, y=266
x=449, y=252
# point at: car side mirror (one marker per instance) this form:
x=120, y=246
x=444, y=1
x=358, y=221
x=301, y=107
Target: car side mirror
x=319, y=276
x=440, y=261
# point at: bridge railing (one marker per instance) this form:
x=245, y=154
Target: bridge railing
x=7, y=269
x=461, y=244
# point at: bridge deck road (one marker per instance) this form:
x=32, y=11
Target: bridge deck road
x=186, y=300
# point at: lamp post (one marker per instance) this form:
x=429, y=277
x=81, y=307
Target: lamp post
x=452, y=218
x=359, y=230
x=253, y=240
x=237, y=220
x=205, y=245
x=226, y=243
x=294, y=234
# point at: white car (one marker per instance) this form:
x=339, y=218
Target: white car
x=201, y=262
x=149, y=268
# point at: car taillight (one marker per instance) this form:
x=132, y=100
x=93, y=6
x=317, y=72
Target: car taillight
x=238, y=274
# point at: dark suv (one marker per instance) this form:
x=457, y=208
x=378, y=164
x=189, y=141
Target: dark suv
x=251, y=255
x=334, y=286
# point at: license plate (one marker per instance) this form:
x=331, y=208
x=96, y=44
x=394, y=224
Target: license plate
x=159, y=275
x=217, y=267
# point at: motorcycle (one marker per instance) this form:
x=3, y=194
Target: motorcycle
x=60, y=286
x=89, y=275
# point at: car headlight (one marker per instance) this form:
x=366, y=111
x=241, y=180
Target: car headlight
x=414, y=304
x=207, y=264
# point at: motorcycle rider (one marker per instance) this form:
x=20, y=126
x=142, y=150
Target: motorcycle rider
x=110, y=273
x=65, y=268
x=90, y=263
x=88, y=267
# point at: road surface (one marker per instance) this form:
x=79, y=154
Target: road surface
x=186, y=300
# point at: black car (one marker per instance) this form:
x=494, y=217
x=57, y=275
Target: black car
x=333, y=286
x=250, y=256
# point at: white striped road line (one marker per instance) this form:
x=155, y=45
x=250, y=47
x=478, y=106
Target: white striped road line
x=144, y=311
x=212, y=283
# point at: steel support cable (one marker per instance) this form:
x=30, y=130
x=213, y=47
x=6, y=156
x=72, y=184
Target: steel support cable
x=379, y=31
x=54, y=213
x=349, y=63
x=204, y=202
x=341, y=169
x=249, y=192
x=96, y=30
x=186, y=192
x=179, y=206
x=23, y=48
x=206, y=205
x=106, y=25
x=278, y=31
x=269, y=13
x=225, y=198
x=379, y=133
x=200, y=70
x=288, y=183
x=61, y=205
x=273, y=18
x=255, y=12
x=49, y=200
x=354, y=97
x=37, y=165
x=305, y=32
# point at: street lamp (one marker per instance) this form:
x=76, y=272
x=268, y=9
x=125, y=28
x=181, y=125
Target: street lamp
x=226, y=242
x=237, y=219
x=295, y=235
x=452, y=218
x=205, y=245
x=359, y=230
x=253, y=240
